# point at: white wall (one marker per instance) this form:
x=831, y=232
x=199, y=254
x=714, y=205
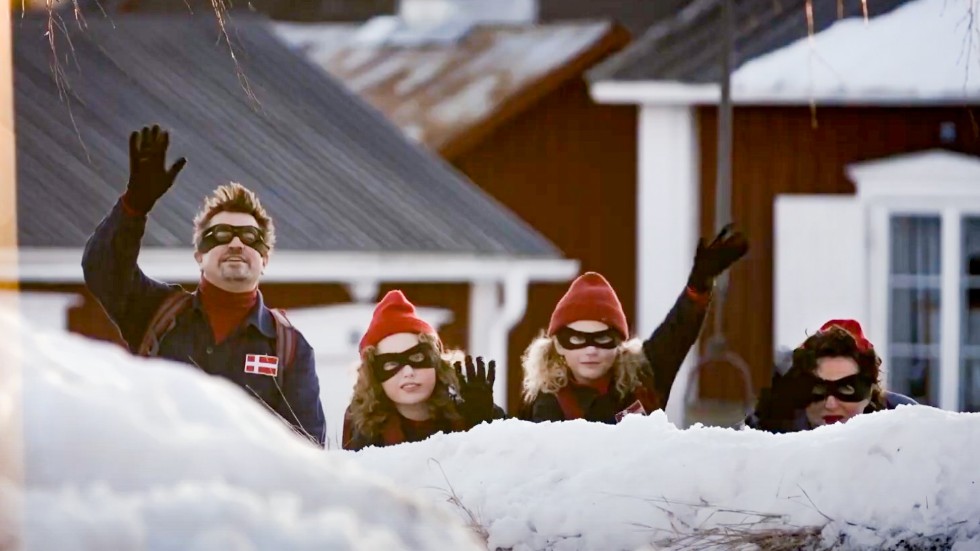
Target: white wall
x=820, y=264
x=48, y=311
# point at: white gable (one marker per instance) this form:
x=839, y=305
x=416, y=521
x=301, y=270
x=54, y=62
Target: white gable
x=934, y=172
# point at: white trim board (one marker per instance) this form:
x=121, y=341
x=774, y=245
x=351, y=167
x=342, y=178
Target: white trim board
x=657, y=92
x=63, y=265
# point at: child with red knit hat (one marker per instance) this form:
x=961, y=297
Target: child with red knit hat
x=835, y=376
x=587, y=367
x=406, y=389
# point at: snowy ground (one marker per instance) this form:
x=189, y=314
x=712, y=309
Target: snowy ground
x=124, y=453
x=904, y=474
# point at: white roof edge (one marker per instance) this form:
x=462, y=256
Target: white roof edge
x=653, y=92
x=63, y=265
x=656, y=92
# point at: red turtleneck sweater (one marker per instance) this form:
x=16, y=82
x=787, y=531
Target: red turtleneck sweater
x=225, y=310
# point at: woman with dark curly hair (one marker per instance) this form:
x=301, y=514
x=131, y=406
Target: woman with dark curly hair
x=833, y=378
x=407, y=389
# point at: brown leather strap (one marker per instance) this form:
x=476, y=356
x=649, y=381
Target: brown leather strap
x=285, y=340
x=163, y=321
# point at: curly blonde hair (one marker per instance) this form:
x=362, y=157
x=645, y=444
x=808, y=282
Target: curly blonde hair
x=545, y=370
x=370, y=407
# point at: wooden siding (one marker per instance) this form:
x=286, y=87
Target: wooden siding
x=567, y=166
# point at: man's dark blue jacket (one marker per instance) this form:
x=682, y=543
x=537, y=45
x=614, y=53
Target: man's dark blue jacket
x=130, y=298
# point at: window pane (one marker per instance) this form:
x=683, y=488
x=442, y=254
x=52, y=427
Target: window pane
x=915, y=245
x=970, y=309
x=917, y=378
x=970, y=385
x=915, y=317
x=914, y=307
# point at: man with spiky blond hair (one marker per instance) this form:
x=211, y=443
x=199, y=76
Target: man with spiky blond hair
x=223, y=327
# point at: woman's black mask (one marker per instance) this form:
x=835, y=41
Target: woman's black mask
x=570, y=339
x=849, y=389
x=420, y=356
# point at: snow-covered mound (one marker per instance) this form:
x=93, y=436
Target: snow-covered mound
x=126, y=453
x=910, y=474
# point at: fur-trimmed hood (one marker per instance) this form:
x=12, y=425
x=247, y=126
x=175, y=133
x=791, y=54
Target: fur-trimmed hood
x=545, y=370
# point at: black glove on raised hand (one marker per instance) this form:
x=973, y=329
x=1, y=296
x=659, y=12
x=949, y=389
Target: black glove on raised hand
x=149, y=177
x=476, y=389
x=713, y=259
x=795, y=390
x=779, y=404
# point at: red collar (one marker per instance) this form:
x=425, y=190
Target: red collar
x=225, y=310
x=600, y=385
x=214, y=297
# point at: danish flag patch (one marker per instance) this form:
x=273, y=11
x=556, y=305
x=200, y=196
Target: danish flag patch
x=261, y=365
x=634, y=408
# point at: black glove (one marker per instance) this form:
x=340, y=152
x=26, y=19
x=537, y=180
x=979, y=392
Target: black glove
x=779, y=404
x=476, y=389
x=793, y=391
x=149, y=177
x=711, y=260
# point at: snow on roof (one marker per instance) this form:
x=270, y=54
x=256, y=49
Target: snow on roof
x=926, y=50
x=126, y=453
x=437, y=91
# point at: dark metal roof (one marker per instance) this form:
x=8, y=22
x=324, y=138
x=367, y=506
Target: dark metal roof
x=636, y=15
x=687, y=47
x=287, y=10
x=333, y=172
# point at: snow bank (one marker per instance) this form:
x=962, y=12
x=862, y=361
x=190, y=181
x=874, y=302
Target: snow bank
x=906, y=474
x=125, y=453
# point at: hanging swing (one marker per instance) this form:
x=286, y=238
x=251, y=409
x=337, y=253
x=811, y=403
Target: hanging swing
x=717, y=353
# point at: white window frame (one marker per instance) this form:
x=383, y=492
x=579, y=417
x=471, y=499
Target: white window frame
x=931, y=183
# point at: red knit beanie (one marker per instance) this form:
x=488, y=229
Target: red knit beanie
x=589, y=298
x=394, y=314
x=852, y=327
